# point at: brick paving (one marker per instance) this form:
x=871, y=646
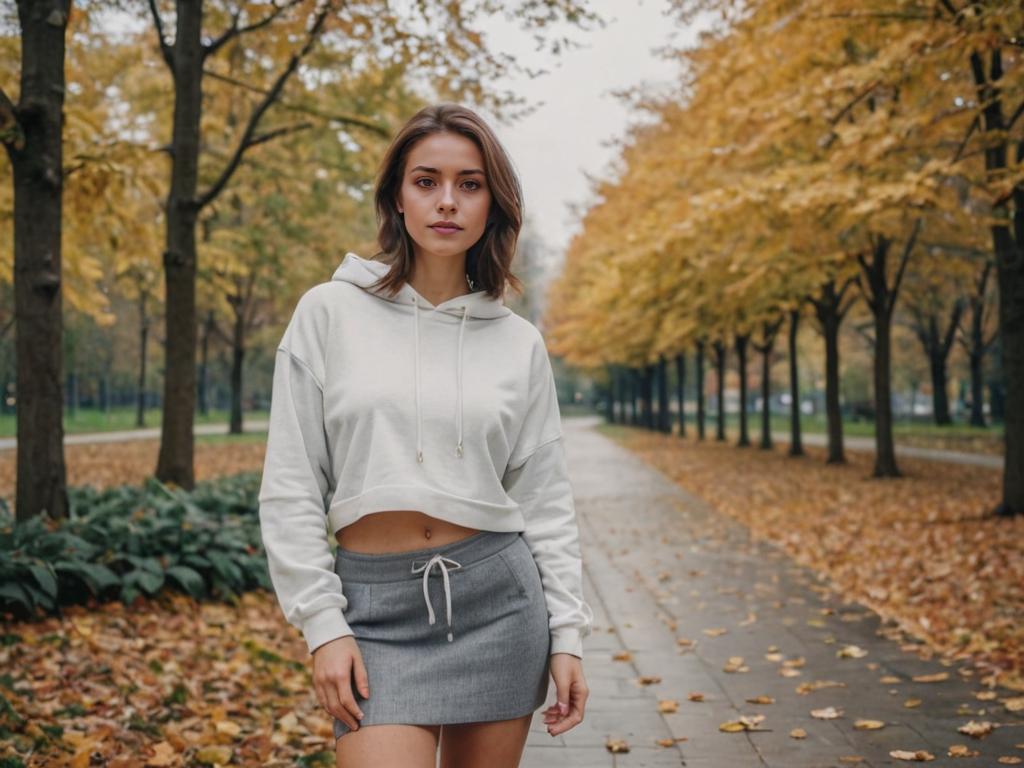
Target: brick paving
x=661, y=565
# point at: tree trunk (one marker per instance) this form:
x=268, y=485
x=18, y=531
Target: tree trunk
x=140, y=407
x=237, y=361
x=72, y=387
x=648, y=395
x=766, y=348
x=185, y=56
x=940, y=394
x=33, y=140
x=701, y=414
x=881, y=299
x=664, y=417
x=176, y=436
x=977, y=345
x=204, y=366
x=829, y=311
x=885, y=449
x=681, y=391
x=609, y=402
x=937, y=345
x=719, y=348
x=634, y=390
x=1008, y=242
x=622, y=393
x=796, y=447
x=741, y=353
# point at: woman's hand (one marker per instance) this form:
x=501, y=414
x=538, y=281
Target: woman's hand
x=571, y=693
x=336, y=664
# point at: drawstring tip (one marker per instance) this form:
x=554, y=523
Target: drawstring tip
x=458, y=450
x=450, y=637
x=419, y=456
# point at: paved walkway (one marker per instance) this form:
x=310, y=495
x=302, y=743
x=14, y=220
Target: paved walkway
x=147, y=433
x=660, y=566
x=859, y=443
x=850, y=442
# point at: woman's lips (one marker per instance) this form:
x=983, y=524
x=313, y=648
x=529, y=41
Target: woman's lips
x=445, y=230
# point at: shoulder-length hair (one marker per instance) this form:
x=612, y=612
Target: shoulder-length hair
x=489, y=260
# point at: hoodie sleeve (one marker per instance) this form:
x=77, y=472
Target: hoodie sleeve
x=292, y=497
x=537, y=478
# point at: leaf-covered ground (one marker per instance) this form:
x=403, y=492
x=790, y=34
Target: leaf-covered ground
x=131, y=461
x=172, y=682
x=167, y=683
x=920, y=549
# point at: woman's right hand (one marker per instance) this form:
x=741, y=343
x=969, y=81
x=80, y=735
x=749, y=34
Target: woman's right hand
x=336, y=664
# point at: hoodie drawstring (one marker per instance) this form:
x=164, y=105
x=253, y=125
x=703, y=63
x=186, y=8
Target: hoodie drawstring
x=458, y=413
x=416, y=354
x=458, y=394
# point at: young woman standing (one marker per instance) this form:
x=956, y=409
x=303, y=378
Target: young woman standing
x=419, y=415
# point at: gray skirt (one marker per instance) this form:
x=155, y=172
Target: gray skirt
x=456, y=633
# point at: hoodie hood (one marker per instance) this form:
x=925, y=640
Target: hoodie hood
x=365, y=272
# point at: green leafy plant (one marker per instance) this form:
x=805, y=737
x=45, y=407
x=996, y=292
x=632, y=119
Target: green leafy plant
x=123, y=542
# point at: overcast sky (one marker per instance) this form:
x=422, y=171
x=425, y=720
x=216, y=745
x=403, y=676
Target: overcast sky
x=553, y=147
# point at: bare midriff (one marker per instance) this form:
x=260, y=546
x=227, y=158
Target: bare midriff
x=402, y=530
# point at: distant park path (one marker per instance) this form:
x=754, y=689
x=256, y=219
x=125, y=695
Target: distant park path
x=852, y=443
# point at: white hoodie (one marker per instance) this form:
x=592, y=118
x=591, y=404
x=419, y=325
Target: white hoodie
x=383, y=403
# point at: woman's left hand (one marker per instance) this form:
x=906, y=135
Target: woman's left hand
x=571, y=693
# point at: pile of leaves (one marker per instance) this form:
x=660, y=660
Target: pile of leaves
x=921, y=550
x=167, y=682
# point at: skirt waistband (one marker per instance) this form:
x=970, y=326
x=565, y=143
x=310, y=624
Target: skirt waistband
x=366, y=567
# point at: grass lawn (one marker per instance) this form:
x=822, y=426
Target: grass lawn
x=90, y=420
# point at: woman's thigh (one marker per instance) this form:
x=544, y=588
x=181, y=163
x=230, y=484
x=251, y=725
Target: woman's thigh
x=389, y=746
x=495, y=744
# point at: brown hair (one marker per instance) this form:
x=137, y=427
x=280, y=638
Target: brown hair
x=489, y=259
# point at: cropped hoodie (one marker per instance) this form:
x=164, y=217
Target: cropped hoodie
x=386, y=402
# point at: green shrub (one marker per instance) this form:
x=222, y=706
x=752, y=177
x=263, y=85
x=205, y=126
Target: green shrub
x=121, y=542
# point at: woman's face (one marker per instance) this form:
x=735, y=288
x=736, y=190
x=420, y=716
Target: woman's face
x=444, y=181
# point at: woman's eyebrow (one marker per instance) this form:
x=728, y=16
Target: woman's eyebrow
x=464, y=172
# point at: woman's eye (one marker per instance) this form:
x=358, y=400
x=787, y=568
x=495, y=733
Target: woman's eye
x=476, y=184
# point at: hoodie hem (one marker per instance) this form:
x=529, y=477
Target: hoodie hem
x=455, y=509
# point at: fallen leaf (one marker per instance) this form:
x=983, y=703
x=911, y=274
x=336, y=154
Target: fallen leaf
x=938, y=677
x=616, y=746
x=827, y=713
x=962, y=750
x=851, y=652
x=920, y=756
x=975, y=729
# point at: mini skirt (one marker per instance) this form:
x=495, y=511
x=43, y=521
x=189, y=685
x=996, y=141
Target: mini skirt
x=456, y=633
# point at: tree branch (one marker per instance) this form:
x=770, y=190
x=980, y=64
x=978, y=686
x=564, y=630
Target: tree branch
x=11, y=133
x=166, y=50
x=904, y=258
x=250, y=129
x=353, y=120
x=235, y=31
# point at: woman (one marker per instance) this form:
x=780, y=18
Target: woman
x=422, y=419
